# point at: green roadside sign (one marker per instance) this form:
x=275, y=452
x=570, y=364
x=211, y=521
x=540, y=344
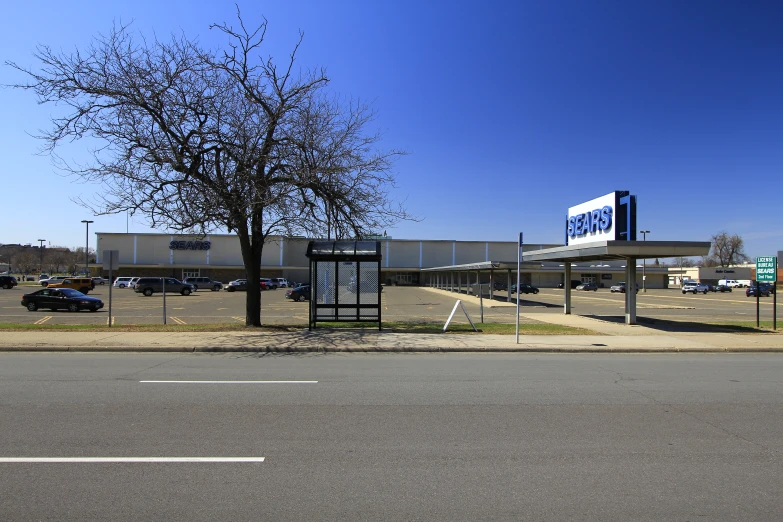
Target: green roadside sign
x=767, y=269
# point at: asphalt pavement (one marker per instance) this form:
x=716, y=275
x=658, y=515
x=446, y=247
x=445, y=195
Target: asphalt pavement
x=108, y=436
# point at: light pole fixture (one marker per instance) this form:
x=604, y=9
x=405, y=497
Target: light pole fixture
x=644, y=263
x=40, y=263
x=87, y=246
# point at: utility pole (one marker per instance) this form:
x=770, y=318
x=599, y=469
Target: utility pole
x=40, y=264
x=87, y=246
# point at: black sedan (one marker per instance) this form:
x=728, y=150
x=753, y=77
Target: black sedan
x=61, y=299
x=300, y=293
x=588, y=286
x=722, y=288
x=523, y=289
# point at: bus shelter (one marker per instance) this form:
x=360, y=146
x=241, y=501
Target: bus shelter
x=345, y=281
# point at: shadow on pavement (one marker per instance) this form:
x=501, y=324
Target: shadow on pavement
x=666, y=325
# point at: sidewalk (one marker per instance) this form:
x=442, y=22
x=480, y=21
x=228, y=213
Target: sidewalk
x=611, y=337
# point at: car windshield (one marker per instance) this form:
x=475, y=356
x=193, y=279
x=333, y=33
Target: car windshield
x=68, y=292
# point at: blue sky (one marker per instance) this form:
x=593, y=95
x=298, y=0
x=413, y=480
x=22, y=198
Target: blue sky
x=511, y=111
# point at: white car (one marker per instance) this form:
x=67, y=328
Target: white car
x=282, y=282
x=55, y=279
x=695, y=287
x=100, y=280
x=122, y=282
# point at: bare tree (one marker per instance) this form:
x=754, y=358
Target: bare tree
x=727, y=250
x=27, y=260
x=197, y=140
x=58, y=259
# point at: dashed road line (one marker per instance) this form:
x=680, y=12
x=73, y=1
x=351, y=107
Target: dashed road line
x=228, y=382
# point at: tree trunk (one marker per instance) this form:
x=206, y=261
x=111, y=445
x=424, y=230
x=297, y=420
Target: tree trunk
x=252, y=247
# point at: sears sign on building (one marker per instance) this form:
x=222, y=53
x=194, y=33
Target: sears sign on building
x=609, y=218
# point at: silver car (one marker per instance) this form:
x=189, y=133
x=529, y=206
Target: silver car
x=695, y=287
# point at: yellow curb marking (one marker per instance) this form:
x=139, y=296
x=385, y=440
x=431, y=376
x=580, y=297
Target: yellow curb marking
x=177, y=320
x=43, y=319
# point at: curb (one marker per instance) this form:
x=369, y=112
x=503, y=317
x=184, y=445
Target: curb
x=331, y=349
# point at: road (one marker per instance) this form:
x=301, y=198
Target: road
x=398, y=304
x=393, y=436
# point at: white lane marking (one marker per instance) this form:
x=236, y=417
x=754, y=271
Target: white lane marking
x=130, y=459
x=229, y=382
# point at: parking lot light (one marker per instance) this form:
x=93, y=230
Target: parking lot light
x=644, y=262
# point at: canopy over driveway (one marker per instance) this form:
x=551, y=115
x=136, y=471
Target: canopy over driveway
x=629, y=251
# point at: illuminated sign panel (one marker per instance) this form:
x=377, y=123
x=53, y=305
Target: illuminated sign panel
x=608, y=218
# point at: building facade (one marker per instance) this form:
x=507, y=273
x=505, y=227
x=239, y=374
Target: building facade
x=218, y=256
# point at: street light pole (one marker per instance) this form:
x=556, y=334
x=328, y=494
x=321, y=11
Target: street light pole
x=644, y=262
x=40, y=264
x=87, y=246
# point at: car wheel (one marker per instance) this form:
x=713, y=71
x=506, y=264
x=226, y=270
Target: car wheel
x=186, y=291
x=229, y=289
x=93, y=309
x=148, y=292
x=122, y=286
x=216, y=288
x=300, y=298
x=32, y=307
x=73, y=307
x=7, y=286
x=44, y=285
x=195, y=288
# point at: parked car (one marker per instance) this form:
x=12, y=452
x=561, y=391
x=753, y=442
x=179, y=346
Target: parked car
x=269, y=283
x=132, y=282
x=82, y=284
x=723, y=288
x=694, y=287
x=241, y=285
x=299, y=293
x=7, y=282
x=236, y=285
x=282, y=282
x=588, y=287
x=151, y=285
x=99, y=280
x=620, y=287
x=524, y=288
x=204, y=282
x=369, y=286
x=764, y=289
x=496, y=285
x=55, y=279
x=61, y=299
x=43, y=276
x=122, y=282
x=574, y=283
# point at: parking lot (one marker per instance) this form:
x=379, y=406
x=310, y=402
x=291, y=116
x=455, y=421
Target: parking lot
x=416, y=304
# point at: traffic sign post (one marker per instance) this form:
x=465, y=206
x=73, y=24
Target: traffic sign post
x=767, y=272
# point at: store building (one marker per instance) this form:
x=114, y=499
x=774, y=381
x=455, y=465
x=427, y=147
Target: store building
x=405, y=261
